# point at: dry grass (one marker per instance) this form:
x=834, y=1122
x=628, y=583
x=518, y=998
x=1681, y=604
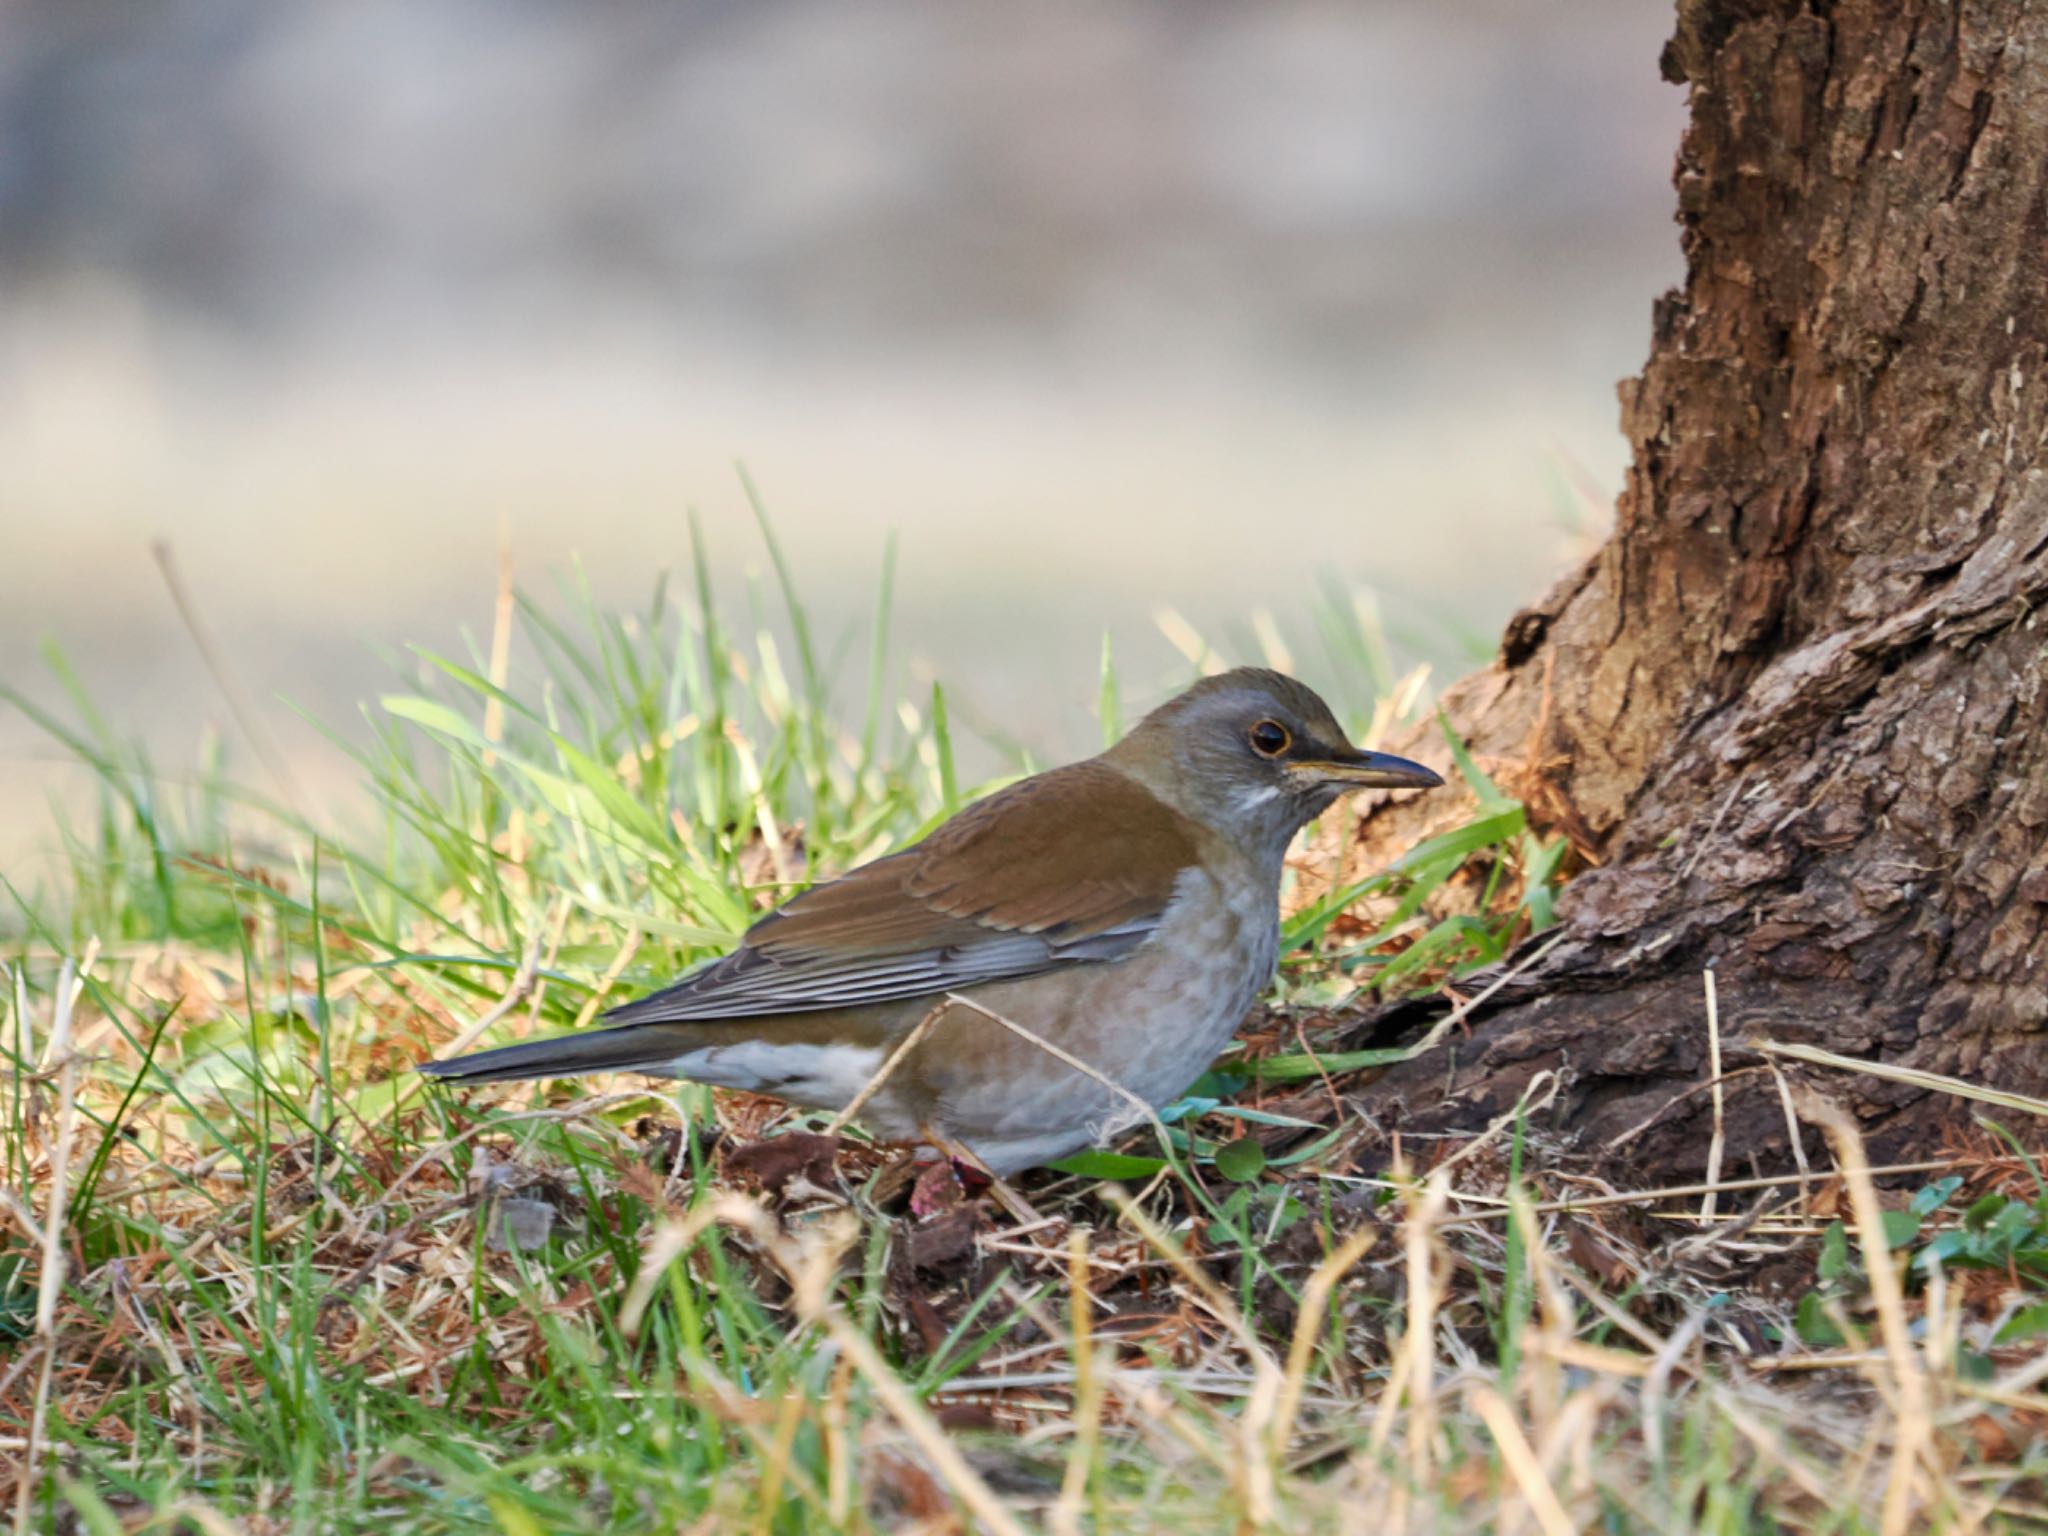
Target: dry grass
x=257, y=1277
x=1475, y=1353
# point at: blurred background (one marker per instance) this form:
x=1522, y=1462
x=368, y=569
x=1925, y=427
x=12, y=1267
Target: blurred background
x=1102, y=307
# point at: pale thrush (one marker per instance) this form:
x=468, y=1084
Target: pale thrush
x=1081, y=941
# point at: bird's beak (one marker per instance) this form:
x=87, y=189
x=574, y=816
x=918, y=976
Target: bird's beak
x=1353, y=769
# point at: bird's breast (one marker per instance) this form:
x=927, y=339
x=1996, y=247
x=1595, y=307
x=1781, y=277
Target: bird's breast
x=1147, y=1024
x=1213, y=954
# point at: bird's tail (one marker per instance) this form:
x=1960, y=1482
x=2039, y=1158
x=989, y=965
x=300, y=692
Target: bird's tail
x=623, y=1048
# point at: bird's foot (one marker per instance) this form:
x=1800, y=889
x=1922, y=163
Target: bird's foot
x=964, y=1165
x=939, y=1187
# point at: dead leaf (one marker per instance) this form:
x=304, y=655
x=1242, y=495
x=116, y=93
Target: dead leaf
x=945, y=1241
x=1589, y=1250
x=775, y=1160
x=643, y=1184
x=931, y=1327
x=970, y=1417
x=908, y=1490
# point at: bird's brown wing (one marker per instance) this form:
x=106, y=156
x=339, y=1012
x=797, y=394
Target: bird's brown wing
x=1071, y=866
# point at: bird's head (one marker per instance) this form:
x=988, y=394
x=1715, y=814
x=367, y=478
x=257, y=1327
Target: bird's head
x=1255, y=755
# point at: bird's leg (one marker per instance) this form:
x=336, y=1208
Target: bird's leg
x=936, y=1180
x=963, y=1157
x=938, y=1187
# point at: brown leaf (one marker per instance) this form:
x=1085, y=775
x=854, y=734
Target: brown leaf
x=931, y=1327
x=643, y=1184
x=945, y=1241
x=1470, y=1481
x=572, y=1302
x=1995, y=1439
x=906, y=1489
x=776, y=1160
x=1590, y=1252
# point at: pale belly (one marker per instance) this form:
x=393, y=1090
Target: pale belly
x=1147, y=1026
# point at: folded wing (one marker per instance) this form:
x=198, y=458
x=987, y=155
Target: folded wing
x=1073, y=866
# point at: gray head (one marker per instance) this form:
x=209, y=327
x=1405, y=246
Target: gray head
x=1254, y=755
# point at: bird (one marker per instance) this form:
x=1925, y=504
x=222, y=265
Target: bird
x=1043, y=970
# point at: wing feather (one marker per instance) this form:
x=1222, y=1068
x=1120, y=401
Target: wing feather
x=1069, y=867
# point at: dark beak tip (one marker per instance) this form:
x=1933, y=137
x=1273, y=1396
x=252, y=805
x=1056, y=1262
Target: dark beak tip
x=1400, y=773
x=1418, y=781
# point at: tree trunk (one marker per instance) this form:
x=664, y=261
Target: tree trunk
x=1796, y=710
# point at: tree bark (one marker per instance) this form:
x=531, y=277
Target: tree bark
x=1795, y=712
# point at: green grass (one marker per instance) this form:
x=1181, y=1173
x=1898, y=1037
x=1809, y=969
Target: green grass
x=279, y=1305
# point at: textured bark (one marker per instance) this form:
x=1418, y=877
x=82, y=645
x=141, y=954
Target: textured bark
x=1796, y=709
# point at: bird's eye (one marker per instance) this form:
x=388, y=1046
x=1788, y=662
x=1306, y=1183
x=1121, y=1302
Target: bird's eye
x=1269, y=738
